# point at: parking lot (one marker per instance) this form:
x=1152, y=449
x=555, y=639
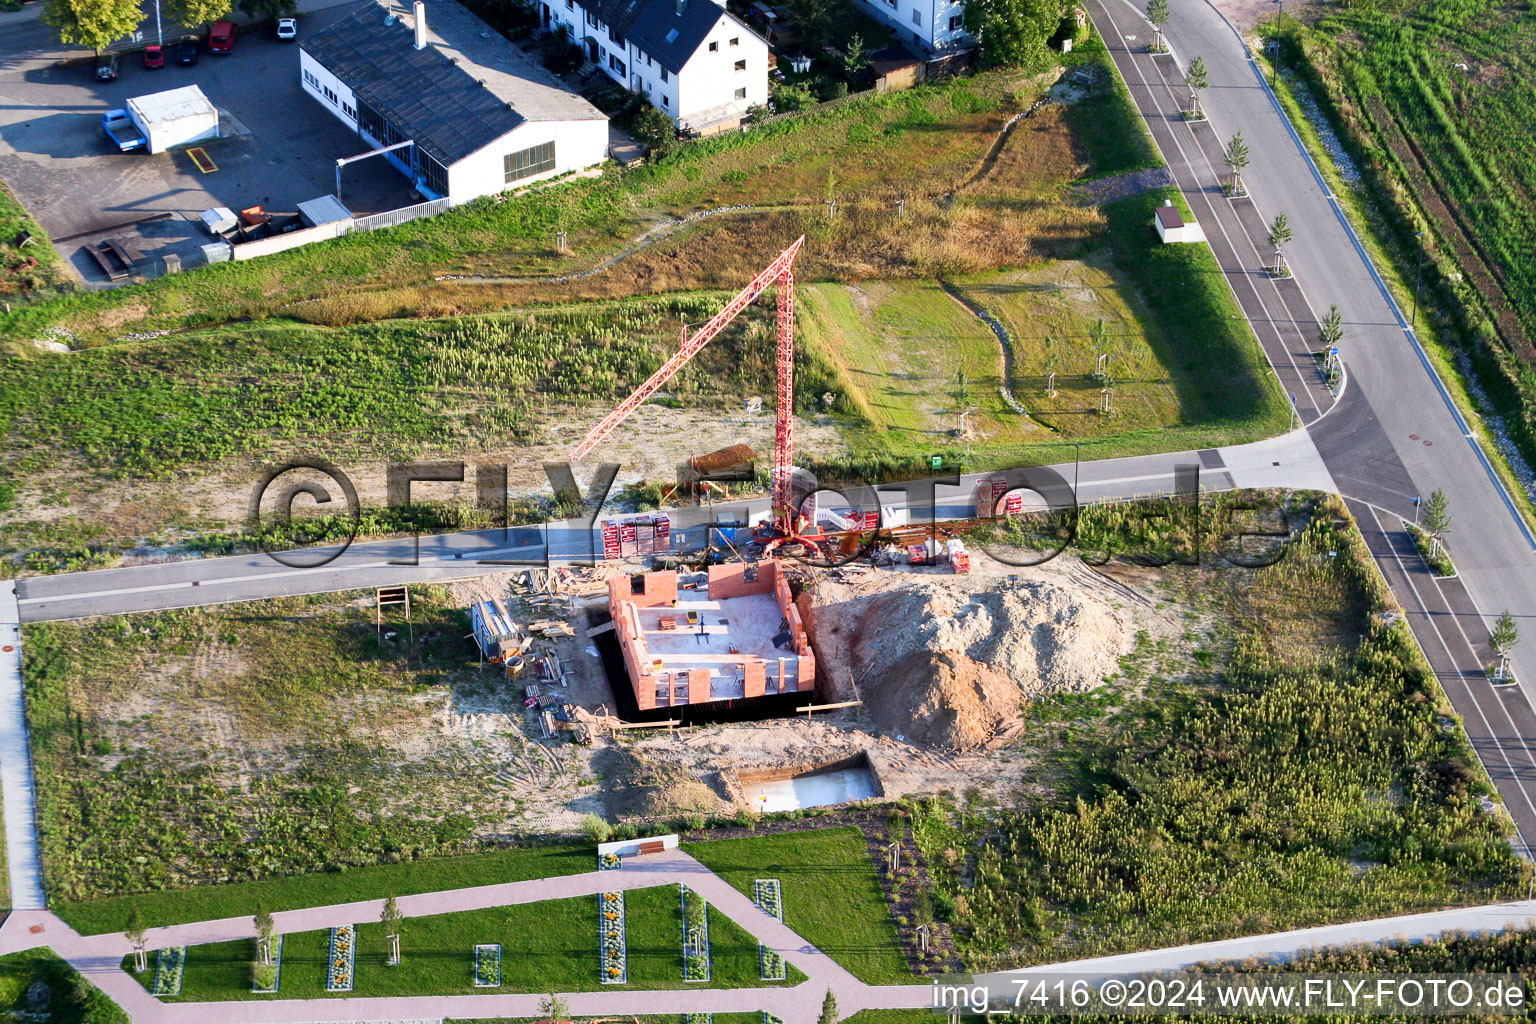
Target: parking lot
x=278, y=148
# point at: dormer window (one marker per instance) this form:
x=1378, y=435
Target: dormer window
x=735, y=40
x=714, y=47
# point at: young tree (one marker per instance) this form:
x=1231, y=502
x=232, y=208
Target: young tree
x=1157, y=14
x=1195, y=77
x=1013, y=32
x=1331, y=331
x=191, y=13
x=1237, y=159
x=962, y=393
x=1280, y=236
x=1436, y=518
x=135, y=934
x=554, y=1006
x=1502, y=639
x=828, y=1009
x=93, y=23
x=654, y=128
x=264, y=929
x=391, y=918
x=855, y=58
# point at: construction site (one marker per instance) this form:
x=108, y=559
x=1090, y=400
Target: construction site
x=714, y=673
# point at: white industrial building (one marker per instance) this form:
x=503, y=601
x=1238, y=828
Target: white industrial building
x=479, y=114
x=175, y=117
x=926, y=26
x=692, y=59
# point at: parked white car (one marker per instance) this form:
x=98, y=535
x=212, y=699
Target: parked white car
x=287, y=28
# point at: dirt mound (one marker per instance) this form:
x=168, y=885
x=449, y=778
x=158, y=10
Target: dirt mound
x=641, y=787
x=943, y=663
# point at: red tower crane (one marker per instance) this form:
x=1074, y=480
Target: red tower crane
x=780, y=272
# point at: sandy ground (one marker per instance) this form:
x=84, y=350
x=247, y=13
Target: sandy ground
x=649, y=446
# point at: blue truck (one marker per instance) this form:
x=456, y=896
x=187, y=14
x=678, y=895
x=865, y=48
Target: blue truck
x=122, y=130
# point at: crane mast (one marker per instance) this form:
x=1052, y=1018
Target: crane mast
x=781, y=273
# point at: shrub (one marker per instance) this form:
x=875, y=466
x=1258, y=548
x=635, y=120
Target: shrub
x=595, y=829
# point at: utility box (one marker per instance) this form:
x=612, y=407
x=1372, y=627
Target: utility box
x=176, y=117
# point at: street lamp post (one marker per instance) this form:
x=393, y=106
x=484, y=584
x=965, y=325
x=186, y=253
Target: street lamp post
x=159, y=35
x=1418, y=280
x=1274, y=66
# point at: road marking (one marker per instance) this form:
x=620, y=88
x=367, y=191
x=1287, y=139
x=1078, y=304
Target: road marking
x=200, y=157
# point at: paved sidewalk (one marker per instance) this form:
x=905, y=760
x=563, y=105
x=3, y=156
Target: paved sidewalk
x=26, y=873
x=98, y=957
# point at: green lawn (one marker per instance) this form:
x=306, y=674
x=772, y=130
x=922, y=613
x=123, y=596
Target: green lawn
x=547, y=946
x=94, y=917
x=832, y=896
x=71, y=1001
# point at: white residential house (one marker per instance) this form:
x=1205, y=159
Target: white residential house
x=692, y=59
x=927, y=27
x=481, y=116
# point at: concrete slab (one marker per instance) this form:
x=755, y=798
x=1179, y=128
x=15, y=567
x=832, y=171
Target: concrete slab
x=748, y=624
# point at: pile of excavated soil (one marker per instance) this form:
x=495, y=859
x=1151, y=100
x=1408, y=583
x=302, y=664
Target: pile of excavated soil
x=950, y=661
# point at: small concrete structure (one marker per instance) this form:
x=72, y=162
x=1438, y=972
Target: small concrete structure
x=1171, y=227
x=735, y=633
x=324, y=210
x=175, y=117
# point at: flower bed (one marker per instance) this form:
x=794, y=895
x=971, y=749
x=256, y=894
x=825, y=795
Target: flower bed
x=276, y=967
x=168, y=967
x=343, y=958
x=699, y=1018
x=696, y=962
x=609, y=862
x=488, y=965
x=614, y=962
x=768, y=894
x=1436, y=557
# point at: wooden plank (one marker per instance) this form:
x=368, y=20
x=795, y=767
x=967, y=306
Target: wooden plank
x=600, y=630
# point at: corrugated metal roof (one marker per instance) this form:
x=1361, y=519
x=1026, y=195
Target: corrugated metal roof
x=467, y=88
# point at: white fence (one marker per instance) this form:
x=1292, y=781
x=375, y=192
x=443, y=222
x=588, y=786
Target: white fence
x=390, y=218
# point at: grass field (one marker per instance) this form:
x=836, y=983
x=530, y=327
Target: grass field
x=254, y=741
x=1297, y=770
x=549, y=946
x=70, y=999
x=850, y=148
x=96, y=917
x=1433, y=103
x=831, y=894
x=30, y=271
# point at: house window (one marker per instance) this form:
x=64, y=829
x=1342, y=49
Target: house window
x=616, y=64
x=666, y=101
x=347, y=109
x=329, y=94
x=663, y=74
x=590, y=19
x=917, y=40
x=372, y=122
x=917, y=16
x=569, y=5
x=741, y=65
x=714, y=47
x=956, y=22
x=311, y=79
x=735, y=40
x=525, y=163
x=741, y=93
x=618, y=40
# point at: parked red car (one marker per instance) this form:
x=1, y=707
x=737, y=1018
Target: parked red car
x=221, y=37
x=154, y=57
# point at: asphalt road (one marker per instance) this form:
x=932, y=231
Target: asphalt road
x=1288, y=460
x=1395, y=434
